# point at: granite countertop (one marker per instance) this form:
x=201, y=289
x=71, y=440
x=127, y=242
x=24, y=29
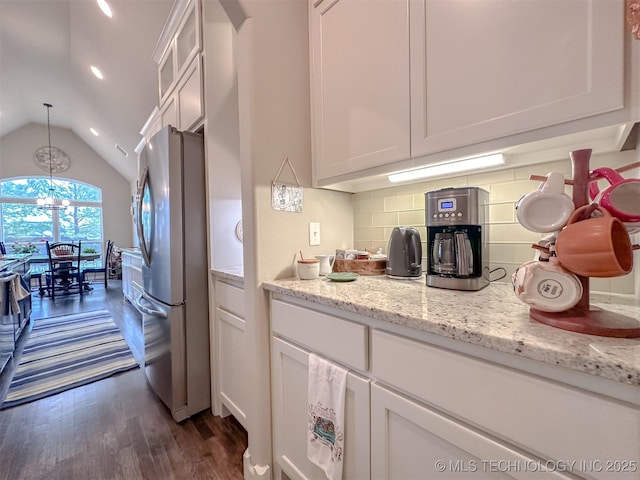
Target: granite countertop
x=235, y=273
x=492, y=318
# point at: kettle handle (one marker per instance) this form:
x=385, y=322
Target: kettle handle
x=415, y=249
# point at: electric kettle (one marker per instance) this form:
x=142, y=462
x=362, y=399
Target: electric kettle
x=404, y=253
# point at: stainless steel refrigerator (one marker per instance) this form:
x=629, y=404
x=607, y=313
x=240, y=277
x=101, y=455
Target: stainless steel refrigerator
x=171, y=222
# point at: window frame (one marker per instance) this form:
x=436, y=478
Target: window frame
x=55, y=214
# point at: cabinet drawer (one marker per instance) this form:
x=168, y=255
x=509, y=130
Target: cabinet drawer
x=344, y=341
x=546, y=418
x=230, y=298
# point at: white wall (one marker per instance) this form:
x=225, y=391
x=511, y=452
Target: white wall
x=222, y=144
x=273, y=95
x=16, y=160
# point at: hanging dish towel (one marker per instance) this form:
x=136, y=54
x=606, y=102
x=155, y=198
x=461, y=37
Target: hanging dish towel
x=16, y=293
x=325, y=440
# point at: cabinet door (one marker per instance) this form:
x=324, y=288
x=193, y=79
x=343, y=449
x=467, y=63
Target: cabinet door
x=484, y=70
x=360, y=84
x=170, y=113
x=290, y=365
x=166, y=73
x=126, y=275
x=410, y=441
x=188, y=37
x=190, y=98
x=232, y=374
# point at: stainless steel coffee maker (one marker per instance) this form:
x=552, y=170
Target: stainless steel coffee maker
x=457, y=238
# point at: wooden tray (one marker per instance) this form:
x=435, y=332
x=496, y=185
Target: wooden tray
x=361, y=267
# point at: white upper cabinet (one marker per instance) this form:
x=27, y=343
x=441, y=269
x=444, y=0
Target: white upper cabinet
x=166, y=74
x=181, y=96
x=397, y=84
x=188, y=38
x=360, y=84
x=484, y=70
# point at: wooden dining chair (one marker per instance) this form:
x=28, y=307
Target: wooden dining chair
x=105, y=266
x=64, y=274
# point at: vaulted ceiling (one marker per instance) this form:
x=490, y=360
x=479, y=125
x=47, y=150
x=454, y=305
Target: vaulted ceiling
x=46, y=49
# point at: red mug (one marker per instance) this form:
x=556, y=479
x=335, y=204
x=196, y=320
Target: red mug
x=621, y=198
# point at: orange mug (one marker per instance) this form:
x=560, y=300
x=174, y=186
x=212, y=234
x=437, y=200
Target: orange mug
x=595, y=247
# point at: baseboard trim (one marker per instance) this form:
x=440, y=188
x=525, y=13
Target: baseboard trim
x=254, y=472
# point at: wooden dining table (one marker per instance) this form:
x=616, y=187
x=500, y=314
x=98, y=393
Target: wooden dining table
x=36, y=259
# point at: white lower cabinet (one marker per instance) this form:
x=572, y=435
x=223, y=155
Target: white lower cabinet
x=421, y=411
x=290, y=365
x=231, y=382
x=131, y=275
x=410, y=441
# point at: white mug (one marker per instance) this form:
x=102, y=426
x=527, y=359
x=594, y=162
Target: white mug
x=326, y=263
x=546, y=286
x=546, y=209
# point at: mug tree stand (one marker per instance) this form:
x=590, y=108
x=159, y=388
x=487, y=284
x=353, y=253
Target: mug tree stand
x=583, y=318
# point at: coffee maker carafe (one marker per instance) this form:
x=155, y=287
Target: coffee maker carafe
x=457, y=233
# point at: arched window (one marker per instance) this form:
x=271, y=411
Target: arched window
x=25, y=226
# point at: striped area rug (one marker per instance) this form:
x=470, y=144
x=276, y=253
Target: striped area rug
x=68, y=351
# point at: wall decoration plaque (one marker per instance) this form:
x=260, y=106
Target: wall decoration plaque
x=284, y=196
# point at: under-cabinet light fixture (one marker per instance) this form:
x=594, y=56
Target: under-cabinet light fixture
x=94, y=131
x=449, y=167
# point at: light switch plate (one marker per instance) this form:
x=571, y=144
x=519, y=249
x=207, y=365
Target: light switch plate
x=314, y=233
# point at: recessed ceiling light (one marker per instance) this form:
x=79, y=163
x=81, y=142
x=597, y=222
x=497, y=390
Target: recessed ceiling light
x=96, y=72
x=106, y=9
x=94, y=131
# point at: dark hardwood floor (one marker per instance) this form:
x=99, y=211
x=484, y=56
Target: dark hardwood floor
x=114, y=428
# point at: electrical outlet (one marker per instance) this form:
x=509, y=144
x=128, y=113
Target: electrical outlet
x=314, y=233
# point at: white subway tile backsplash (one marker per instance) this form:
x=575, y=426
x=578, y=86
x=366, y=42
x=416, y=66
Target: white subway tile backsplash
x=562, y=166
x=398, y=204
x=500, y=176
x=377, y=212
x=363, y=245
x=412, y=219
x=362, y=220
x=501, y=252
x=600, y=284
x=510, y=192
x=372, y=205
x=385, y=219
x=523, y=252
x=502, y=212
x=514, y=232
x=624, y=284
x=370, y=234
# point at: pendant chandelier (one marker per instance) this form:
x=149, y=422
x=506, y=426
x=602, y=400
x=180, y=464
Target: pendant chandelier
x=44, y=156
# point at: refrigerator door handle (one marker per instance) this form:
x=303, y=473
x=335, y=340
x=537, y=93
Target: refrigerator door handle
x=147, y=310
